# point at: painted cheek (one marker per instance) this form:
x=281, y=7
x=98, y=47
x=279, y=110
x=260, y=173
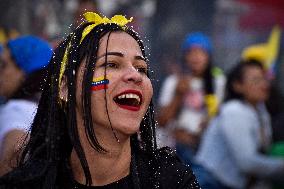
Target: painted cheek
x=100, y=83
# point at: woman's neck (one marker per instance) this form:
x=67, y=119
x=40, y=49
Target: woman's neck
x=105, y=167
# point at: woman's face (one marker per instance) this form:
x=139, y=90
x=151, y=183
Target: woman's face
x=197, y=60
x=254, y=86
x=11, y=77
x=129, y=90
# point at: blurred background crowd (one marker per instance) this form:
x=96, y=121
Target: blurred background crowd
x=217, y=69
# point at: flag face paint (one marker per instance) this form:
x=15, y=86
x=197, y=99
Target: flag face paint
x=99, y=83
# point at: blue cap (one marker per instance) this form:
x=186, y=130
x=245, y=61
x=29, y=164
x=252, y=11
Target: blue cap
x=197, y=39
x=30, y=53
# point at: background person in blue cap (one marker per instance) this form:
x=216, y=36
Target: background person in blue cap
x=22, y=63
x=188, y=100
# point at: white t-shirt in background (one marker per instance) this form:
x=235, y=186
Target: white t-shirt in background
x=16, y=115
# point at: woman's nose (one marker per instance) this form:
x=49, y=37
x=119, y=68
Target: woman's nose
x=132, y=75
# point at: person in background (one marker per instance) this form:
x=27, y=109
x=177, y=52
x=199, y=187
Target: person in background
x=267, y=55
x=188, y=100
x=234, y=146
x=22, y=63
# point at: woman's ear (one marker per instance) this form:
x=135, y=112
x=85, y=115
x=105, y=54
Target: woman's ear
x=63, y=89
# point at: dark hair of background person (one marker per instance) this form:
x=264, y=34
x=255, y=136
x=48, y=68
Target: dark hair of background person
x=54, y=131
x=209, y=78
x=32, y=86
x=236, y=75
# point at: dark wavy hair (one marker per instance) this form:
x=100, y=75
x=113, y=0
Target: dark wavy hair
x=54, y=132
x=236, y=75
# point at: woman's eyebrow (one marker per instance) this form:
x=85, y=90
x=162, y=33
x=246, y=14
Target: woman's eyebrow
x=119, y=54
x=111, y=53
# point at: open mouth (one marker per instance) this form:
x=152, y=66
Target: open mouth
x=130, y=100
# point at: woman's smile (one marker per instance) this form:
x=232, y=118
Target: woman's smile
x=129, y=99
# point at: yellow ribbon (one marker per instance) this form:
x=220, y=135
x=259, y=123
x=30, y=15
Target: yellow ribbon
x=97, y=20
x=64, y=63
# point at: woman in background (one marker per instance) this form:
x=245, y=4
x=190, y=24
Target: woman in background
x=233, y=149
x=23, y=61
x=187, y=101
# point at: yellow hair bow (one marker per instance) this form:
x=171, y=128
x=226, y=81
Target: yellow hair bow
x=97, y=19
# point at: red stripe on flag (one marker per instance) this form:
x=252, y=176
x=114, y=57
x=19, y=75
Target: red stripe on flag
x=99, y=87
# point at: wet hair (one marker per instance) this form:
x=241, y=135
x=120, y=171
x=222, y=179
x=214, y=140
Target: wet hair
x=54, y=132
x=236, y=75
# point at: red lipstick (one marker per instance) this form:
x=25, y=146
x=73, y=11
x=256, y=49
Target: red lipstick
x=132, y=104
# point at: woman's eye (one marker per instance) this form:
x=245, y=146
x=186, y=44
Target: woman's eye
x=110, y=65
x=142, y=70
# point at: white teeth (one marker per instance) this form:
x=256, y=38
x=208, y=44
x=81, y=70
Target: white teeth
x=129, y=95
x=121, y=96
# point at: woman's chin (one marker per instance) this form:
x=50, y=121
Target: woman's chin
x=128, y=129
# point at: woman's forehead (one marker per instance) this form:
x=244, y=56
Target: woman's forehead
x=119, y=42
x=252, y=70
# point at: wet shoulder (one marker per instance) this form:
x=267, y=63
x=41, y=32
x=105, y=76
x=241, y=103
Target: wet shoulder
x=175, y=174
x=166, y=170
